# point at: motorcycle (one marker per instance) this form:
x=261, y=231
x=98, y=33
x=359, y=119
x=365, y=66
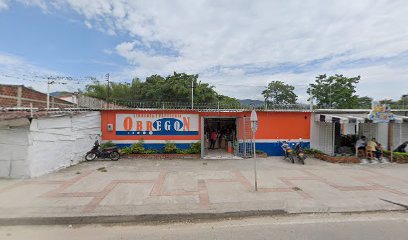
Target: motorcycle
x=97, y=152
x=288, y=151
x=299, y=153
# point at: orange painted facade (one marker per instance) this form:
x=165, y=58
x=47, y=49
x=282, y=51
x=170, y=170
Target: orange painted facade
x=283, y=125
x=271, y=125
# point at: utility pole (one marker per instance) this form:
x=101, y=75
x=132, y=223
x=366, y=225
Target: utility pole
x=192, y=94
x=107, y=96
x=49, y=82
x=330, y=95
x=254, y=128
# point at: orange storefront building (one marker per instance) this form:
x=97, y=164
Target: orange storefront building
x=184, y=127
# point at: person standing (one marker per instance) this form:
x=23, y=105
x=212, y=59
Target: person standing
x=361, y=146
x=213, y=138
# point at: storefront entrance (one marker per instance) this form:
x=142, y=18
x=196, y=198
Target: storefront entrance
x=219, y=138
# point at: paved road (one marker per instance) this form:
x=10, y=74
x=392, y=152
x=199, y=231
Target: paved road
x=362, y=226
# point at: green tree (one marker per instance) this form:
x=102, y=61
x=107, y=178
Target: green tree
x=387, y=102
x=335, y=91
x=277, y=92
x=97, y=90
x=228, y=102
x=363, y=102
x=402, y=103
x=173, y=88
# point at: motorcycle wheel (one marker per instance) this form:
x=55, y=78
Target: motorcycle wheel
x=292, y=160
x=114, y=156
x=90, y=156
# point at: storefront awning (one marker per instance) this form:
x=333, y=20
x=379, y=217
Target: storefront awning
x=340, y=119
x=352, y=118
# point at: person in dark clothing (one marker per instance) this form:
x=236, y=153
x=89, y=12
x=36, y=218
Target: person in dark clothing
x=213, y=138
x=401, y=148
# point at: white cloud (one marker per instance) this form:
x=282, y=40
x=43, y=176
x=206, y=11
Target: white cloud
x=43, y=4
x=3, y=5
x=88, y=24
x=221, y=40
x=6, y=60
x=16, y=70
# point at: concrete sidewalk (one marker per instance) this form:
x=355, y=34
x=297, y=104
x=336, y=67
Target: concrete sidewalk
x=139, y=190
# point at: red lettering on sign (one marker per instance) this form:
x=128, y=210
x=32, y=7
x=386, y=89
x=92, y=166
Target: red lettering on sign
x=149, y=126
x=186, y=123
x=139, y=125
x=127, y=123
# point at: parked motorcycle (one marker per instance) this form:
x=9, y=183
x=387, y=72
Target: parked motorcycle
x=97, y=152
x=288, y=151
x=299, y=153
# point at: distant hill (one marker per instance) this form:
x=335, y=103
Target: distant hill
x=248, y=102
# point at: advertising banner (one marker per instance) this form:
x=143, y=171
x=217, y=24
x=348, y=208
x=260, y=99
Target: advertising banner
x=157, y=124
x=380, y=113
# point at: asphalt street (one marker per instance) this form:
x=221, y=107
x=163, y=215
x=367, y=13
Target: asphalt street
x=373, y=226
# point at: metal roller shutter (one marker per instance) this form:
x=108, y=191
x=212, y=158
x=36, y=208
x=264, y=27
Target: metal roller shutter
x=325, y=140
x=368, y=129
x=397, y=134
x=404, y=132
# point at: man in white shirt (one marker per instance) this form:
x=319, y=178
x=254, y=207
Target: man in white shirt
x=361, y=145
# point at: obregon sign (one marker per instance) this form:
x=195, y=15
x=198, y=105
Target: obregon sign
x=157, y=124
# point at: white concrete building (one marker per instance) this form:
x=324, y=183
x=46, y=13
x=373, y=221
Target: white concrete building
x=41, y=145
x=336, y=128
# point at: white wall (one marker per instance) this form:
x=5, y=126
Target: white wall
x=46, y=144
x=13, y=151
x=61, y=141
x=321, y=135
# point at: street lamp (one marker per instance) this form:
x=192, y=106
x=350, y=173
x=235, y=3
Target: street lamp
x=254, y=127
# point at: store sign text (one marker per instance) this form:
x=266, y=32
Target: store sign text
x=157, y=124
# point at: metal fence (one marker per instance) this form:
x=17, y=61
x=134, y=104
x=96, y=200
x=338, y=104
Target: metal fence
x=210, y=106
x=245, y=144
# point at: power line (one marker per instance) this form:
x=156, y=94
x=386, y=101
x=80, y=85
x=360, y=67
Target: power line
x=44, y=78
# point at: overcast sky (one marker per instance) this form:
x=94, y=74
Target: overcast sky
x=238, y=45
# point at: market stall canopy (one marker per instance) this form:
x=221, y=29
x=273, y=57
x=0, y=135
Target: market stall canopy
x=329, y=118
x=341, y=119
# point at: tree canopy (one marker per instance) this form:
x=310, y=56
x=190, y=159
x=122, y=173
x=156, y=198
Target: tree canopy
x=173, y=88
x=363, y=102
x=277, y=92
x=402, y=103
x=335, y=91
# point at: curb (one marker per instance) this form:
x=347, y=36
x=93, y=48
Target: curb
x=144, y=218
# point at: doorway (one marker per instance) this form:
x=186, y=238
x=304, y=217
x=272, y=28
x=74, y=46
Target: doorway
x=219, y=138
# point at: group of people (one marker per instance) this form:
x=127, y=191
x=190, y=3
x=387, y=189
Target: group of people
x=369, y=149
x=217, y=137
